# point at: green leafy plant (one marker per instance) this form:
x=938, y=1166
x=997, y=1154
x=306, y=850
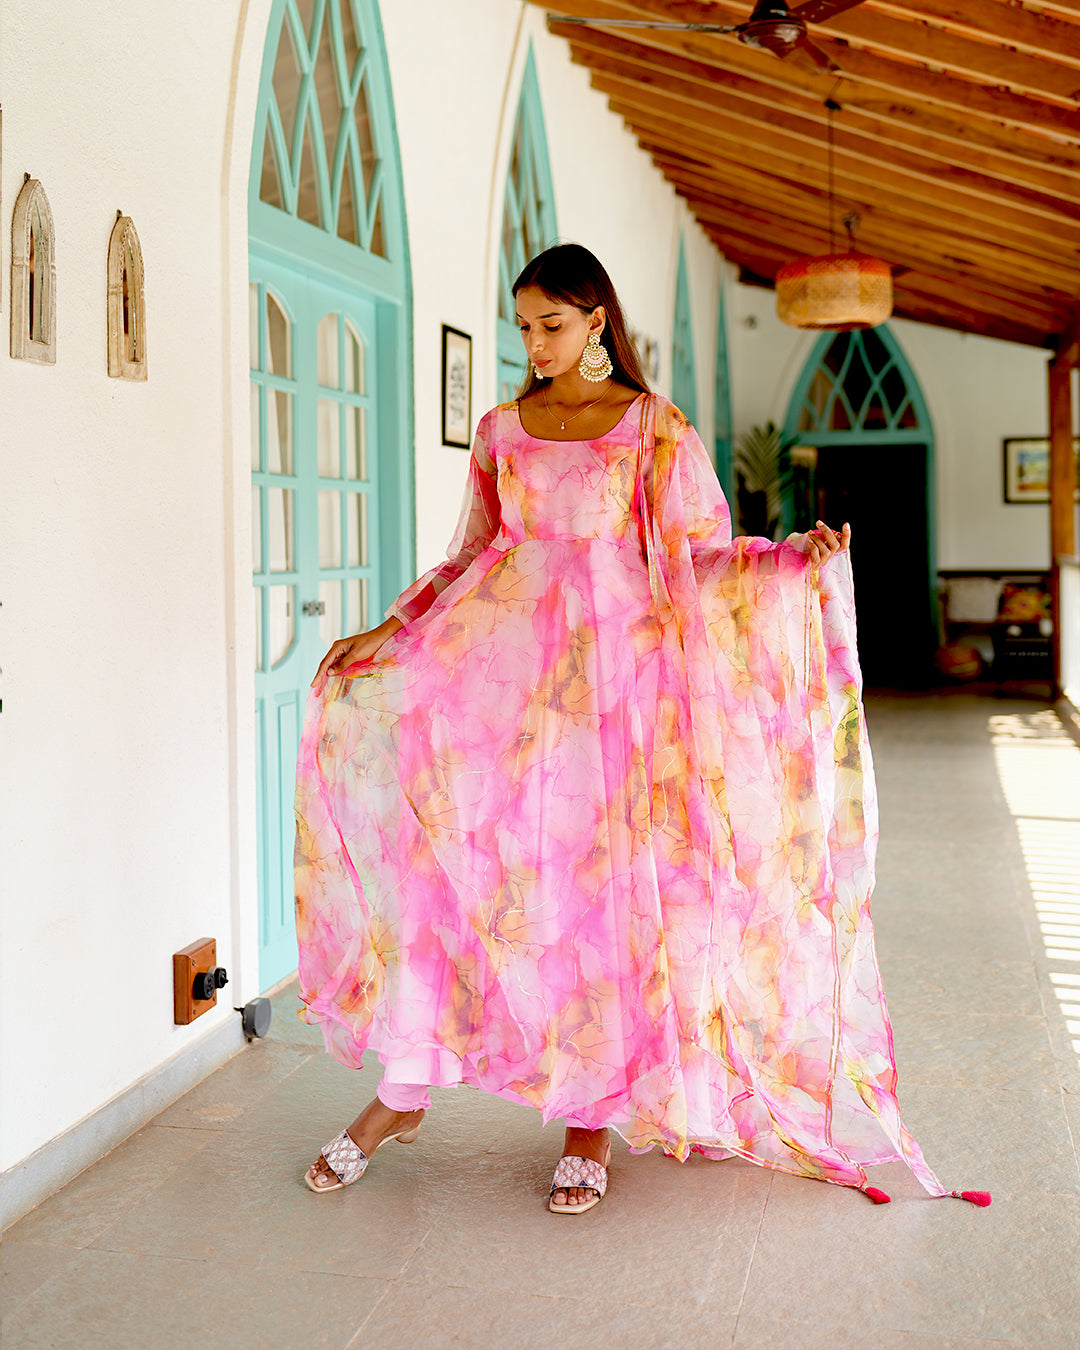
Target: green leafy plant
x=762, y=471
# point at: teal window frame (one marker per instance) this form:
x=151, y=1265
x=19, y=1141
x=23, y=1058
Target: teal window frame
x=528, y=218
x=723, y=429
x=683, y=365
x=325, y=256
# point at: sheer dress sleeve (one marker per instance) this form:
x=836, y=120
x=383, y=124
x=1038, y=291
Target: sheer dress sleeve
x=477, y=527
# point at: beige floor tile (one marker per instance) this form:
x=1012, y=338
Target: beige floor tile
x=974, y=1051
x=634, y=1245
x=218, y=1100
x=1008, y=1141
x=937, y=1267
x=102, y=1195
x=24, y=1266
x=438, y=1317
x=1071, y=1103
x=135, y=1302
x=254, y=1200
x=976, y=913
x=948, y=984
x=286, y=1027
x=762, y=1333
x=1063, y=1046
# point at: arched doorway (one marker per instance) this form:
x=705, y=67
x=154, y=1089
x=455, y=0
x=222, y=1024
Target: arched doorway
x=858, y=403
x=331, y=399
x=528, y=223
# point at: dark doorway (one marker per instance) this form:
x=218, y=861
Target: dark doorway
x=881, y=491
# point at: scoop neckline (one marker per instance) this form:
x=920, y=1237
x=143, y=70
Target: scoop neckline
x=577, y=440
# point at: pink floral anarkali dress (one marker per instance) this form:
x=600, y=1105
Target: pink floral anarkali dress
x=595, y=830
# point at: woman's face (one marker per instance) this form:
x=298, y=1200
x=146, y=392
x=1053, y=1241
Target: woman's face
x=554, y=333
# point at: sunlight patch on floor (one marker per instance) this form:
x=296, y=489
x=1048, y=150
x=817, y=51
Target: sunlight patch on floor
x=1038, y=764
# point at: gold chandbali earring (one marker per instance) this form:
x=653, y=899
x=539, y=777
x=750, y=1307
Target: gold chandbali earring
x=595, y=364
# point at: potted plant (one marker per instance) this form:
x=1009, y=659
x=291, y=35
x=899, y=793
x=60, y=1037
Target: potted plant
x=762, y=473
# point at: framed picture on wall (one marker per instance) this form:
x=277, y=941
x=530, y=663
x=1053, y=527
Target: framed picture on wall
x=1026, y=463
x=456, y=387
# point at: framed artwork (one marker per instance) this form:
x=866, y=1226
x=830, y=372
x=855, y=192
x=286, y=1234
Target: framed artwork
x=1026, y=463
x=456, y=387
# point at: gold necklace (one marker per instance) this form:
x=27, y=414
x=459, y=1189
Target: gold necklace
x=563, y=421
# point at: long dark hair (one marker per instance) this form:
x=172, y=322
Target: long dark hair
x=570, y=275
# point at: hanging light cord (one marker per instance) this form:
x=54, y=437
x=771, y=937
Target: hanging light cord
x=833, y=107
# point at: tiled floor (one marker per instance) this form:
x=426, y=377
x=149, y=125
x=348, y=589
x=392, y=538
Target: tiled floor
x=198, y=1230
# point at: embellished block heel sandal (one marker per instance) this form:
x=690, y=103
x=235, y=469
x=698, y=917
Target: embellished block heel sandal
x=586, y=1173
x=347, y=1161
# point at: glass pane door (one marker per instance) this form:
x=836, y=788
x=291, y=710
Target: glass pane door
x=314, y=535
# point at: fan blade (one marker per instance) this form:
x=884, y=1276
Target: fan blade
x=806, y=48
x=643, y=23
x=821, y=11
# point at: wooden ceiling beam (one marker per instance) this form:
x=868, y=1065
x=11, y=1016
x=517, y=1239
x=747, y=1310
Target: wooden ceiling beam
x=1031, y=187
x=1041, y=34
x=901, y=246
x=935, y=86
x=716, y=157
x=886, y=115
x=883, y=221
x=904, y=39
x=945, y=297
x=858, y=177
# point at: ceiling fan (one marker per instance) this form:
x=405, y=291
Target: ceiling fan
x=772, y=26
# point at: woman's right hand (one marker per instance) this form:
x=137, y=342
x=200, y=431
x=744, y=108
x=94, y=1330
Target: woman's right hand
x=348, y=650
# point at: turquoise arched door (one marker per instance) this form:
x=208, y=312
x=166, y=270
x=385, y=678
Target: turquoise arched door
x=859, y=406
x=528, y=224
x=331, y=453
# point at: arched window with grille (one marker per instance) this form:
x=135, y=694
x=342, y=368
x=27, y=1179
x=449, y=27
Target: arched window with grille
x=859, y=382
x=865, y=455
x=683, y=374
x=331, y=391
x=528, y=223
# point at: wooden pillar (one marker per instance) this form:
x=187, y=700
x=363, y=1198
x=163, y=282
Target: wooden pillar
x=1062, y=491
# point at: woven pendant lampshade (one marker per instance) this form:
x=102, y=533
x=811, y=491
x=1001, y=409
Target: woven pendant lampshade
x=835, y=290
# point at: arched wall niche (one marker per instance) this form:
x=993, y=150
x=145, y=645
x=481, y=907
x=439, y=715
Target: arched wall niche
x=126, y=302
x=33, y=276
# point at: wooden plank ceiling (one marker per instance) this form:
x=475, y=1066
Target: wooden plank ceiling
x=957, y=144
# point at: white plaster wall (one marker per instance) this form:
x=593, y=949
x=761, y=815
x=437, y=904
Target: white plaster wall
x=977, y=390
x=115, y=799
x=608, y=196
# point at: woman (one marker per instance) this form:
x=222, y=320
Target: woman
x=588, y=821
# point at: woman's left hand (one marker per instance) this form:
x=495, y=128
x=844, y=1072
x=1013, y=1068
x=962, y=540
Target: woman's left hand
x=823, y=542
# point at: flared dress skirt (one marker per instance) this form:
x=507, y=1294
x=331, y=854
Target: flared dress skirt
x=594, y=831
